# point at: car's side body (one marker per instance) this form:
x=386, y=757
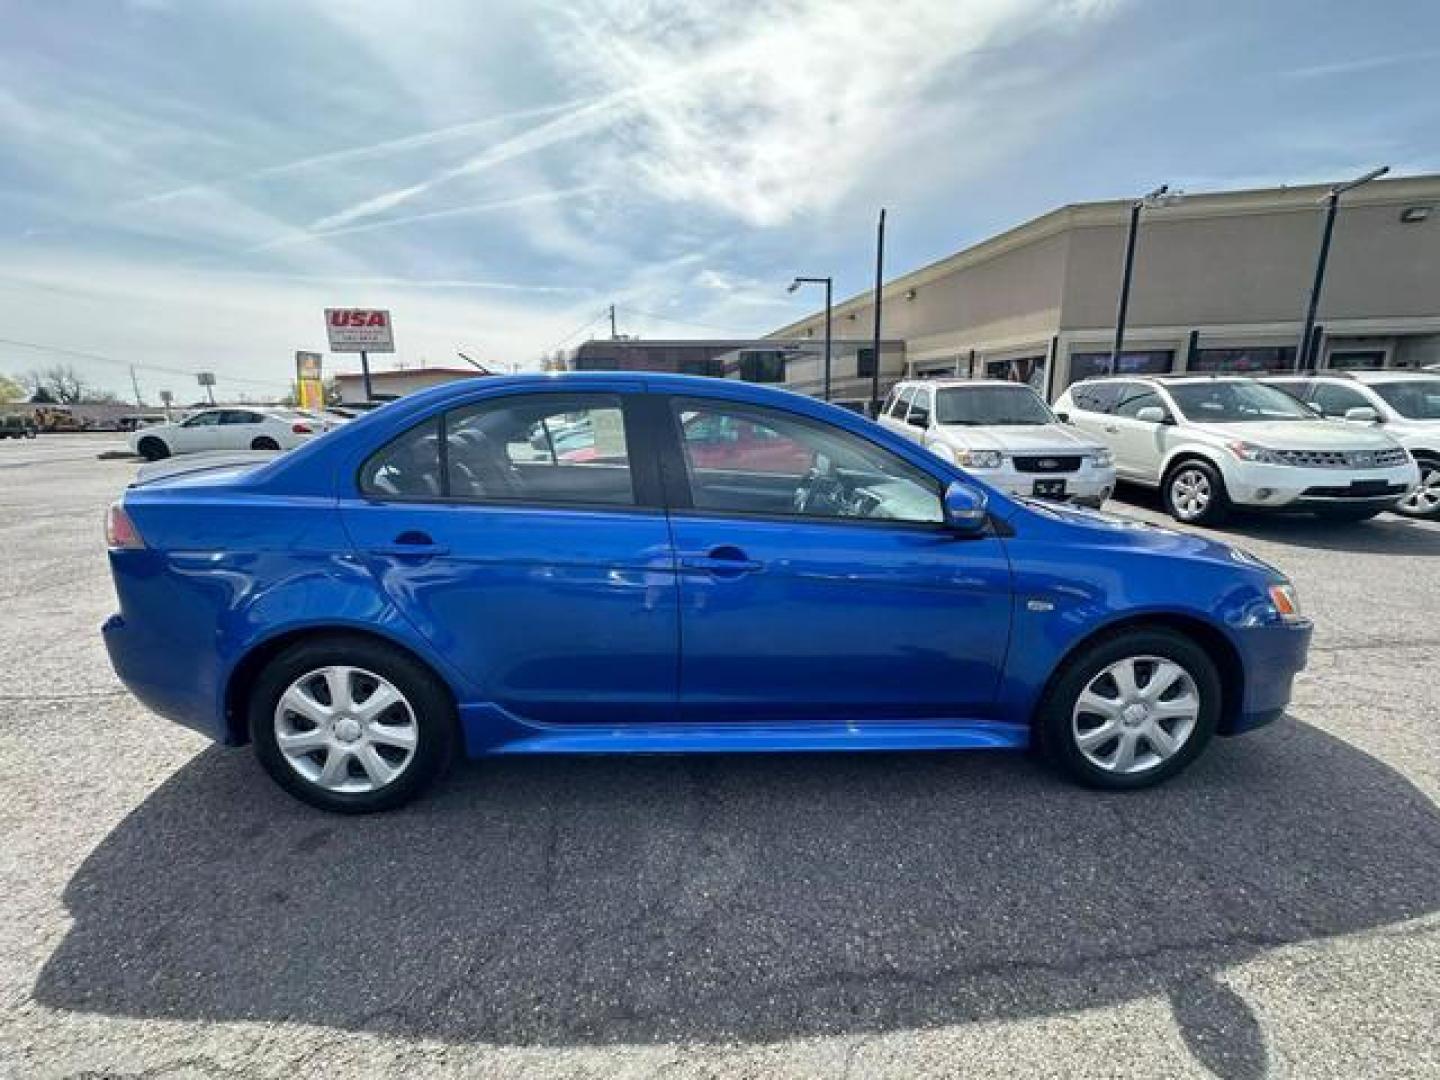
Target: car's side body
x=604, y=628
x=230, y=428
x=1047, y=460
x=1324, y=466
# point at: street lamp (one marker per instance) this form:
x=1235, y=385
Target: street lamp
x=827, y=282
x=1304, y=358
x=1161, y=196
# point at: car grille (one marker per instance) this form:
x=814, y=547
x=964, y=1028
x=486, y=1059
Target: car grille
x=1372, y=489
x=1337, y=459
x=1047, y=463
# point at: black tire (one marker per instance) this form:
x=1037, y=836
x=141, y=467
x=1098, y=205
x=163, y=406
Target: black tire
x=153, y=449
x=1429, y=470
x=429, y=700
x=1345, y=513
x=1055, y=732
x=1215, y=510
x=264, y=442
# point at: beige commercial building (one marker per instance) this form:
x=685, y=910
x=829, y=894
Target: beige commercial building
x=1220, y=283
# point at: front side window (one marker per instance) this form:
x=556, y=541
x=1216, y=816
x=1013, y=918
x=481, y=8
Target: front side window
x=973, y=406
x=1232, y=402
x=776, y=464
x=1414, y=399
x=531, y=448
x=204, y=419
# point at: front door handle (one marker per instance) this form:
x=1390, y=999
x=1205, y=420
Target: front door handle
x=411, y=545
x=1112, y=429
x=723, y=561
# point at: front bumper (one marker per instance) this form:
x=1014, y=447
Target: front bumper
x=1288, y=487
x=1270, y=656
x=1088, y=485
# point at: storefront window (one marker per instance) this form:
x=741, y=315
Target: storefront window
x=1086, y=365
x=1351, y=360
x=762, y=366
x=1025, y=369
x=1256, y=358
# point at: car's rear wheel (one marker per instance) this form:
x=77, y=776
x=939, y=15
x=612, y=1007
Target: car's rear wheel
x=153, y=449
x=1424, y=501
x=351, y=724
x=1194, y=493
x=264, y=442
x=1130, y=710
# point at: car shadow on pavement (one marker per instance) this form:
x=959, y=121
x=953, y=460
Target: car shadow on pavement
x=1388, y=534
x=583, y=901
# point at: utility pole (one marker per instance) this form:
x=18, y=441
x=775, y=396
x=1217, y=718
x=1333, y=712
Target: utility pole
x=1306, y=355
x=135, y=385
x=875, y=342
x=828, y=283
x=1124, y=304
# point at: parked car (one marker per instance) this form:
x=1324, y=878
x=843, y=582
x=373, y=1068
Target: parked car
x=224, y=429
x=135, y=421
x=1210, y=443
x=1407, y=403
x=17, y=426
x=1005, y=433
x=418, y=584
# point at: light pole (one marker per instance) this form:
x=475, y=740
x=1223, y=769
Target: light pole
x=1159, y=197
x=827, y=282
x=1303, y=358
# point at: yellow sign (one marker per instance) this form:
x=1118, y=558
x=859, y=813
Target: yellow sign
x=309, y=388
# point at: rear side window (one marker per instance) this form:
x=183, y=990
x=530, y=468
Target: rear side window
x=1137, y=398
x=1098, y=397
x=529, y=448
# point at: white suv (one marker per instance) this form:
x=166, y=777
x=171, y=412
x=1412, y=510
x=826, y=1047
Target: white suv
x=1005, y=434
x=1210, y=442
x=1407, y=403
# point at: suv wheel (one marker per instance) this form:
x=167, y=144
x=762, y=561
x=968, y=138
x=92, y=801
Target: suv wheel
x=351, y=725
x=1194, y=493
x=1131, y=710
x=1424, y=501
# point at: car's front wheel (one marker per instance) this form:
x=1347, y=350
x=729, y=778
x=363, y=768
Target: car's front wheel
x=1130, y=710
x=1424, y=501
x=351, y=724
x=1195, y=493
x=153, y=449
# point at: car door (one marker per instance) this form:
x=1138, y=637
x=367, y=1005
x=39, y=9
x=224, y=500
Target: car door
x=1089, y=410
x=547, y=580
x=797, y=604
x=238, y=428
x=1138, y=445
x=199, y=432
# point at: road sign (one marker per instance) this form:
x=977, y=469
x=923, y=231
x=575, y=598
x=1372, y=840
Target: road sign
x=206, y=378
x=359, y=330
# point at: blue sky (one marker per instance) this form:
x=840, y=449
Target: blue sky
x=187, y=184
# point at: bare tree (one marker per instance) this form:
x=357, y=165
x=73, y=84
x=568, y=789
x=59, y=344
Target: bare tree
x=61, y=383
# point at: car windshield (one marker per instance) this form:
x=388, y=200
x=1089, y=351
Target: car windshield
x=977, y=405
x=1235, y=402
x=1414, y=399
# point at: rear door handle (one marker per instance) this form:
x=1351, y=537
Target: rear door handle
x=722, y=561
x=1112, y=429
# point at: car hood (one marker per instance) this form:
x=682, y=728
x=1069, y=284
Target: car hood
x=1082, y=526
x=1019, y=438
x=1406, y=428
x=1301, y=435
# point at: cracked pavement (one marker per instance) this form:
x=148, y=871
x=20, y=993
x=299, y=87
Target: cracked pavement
x=1273, y=912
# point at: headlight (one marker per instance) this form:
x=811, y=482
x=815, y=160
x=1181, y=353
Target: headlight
x=1287, y=602
x=980, y=459
x=1103, y=459
x=1250, y=452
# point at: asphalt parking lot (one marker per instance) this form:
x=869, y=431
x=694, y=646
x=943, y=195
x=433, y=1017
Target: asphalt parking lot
x=1273, y=912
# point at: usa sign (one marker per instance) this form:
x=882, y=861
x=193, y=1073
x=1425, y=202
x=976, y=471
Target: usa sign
x=359, y=330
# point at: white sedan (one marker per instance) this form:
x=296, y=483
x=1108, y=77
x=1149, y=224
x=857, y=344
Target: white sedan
x=225, y=429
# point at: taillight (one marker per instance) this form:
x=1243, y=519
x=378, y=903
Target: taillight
x=120, y=531
x=301, y=429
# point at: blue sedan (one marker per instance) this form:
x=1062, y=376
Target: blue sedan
x=618, y=563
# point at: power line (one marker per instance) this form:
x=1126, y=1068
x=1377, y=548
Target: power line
x=730, y=330
x=578, y=330
x=98, y=358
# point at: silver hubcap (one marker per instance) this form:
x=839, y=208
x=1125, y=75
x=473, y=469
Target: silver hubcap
x=1136, y=714
x=346, y=729
x=1425, y=499
x=1190, y=493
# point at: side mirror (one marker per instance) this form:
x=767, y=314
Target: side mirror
x=1313, y=408
x=966, y=508
x=1362, y=414
x=918, y=418
x=1151, y=414
x=1063, y=417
